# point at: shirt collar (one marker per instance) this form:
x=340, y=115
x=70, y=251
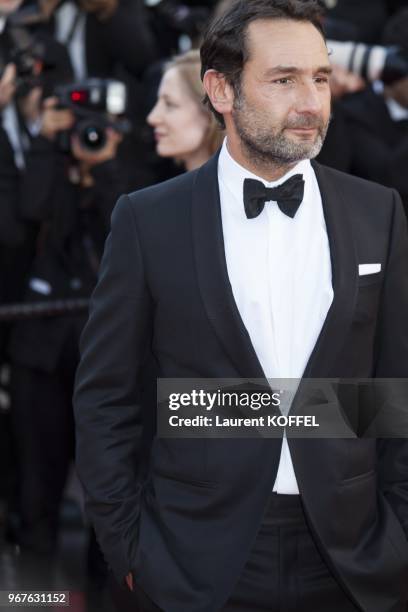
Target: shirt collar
x=396, y=111
x=2, y=24
x=233, y=174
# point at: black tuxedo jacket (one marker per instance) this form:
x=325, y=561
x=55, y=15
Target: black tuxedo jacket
x=186, y=531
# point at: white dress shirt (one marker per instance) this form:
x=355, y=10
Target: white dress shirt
x=396, y=111
x=18, y=140
x=10, y=124
x=280, y=272
x=70, y=31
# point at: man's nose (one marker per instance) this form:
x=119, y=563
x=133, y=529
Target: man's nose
x=309, y=99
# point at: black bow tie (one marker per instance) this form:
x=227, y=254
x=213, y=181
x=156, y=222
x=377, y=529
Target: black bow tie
x=289, y=196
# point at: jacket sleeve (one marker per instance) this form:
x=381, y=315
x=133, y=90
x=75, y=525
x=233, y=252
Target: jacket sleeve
x=12, y=231
x=106, y=399
x=392, y=362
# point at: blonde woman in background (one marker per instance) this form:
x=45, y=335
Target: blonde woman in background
x=184, y=129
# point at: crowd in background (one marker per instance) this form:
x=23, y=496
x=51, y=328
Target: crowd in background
x=65, y=158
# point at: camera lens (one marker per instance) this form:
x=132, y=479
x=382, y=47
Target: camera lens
x=91, y=135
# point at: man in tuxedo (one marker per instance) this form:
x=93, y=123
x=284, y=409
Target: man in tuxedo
x=260, y=264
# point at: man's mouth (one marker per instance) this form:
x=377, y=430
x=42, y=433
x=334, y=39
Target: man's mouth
x=302, y=129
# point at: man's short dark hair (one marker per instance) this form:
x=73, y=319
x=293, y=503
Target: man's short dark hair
x=225, y=48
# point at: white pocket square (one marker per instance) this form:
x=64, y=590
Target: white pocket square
x=364, y=269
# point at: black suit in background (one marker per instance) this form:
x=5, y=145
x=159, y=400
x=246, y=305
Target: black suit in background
x=12, y=236
x=11, y=228
x=17, y=186
x=71, y=224
x=123, y=46
x=367, y=16
x=124, y=39
x=364, y=140
x=337, y=150
x=17, y=238
x=186, y=531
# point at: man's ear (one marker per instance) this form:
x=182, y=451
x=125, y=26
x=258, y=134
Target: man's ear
x=219, y=91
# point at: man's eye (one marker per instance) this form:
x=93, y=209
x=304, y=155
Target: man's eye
x=283, y=81
x=322, y=79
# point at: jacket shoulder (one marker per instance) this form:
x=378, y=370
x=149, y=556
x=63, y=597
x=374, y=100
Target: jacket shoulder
x=354, y=185
x=368, y=204
x=165, y=197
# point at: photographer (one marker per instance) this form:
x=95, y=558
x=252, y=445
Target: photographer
x=11, y=234
x=106, y=39
x=14, y=237
x=376, y=122
x=25, y=155
x=111, y=38
x=71, y=216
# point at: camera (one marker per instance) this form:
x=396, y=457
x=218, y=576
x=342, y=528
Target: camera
x=97, y=104
x=26, y=53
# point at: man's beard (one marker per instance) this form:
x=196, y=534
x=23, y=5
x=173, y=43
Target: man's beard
x=265, y=145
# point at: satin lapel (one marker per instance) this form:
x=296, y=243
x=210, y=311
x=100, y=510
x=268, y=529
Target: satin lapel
x=345, y=276
x=212, y=273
